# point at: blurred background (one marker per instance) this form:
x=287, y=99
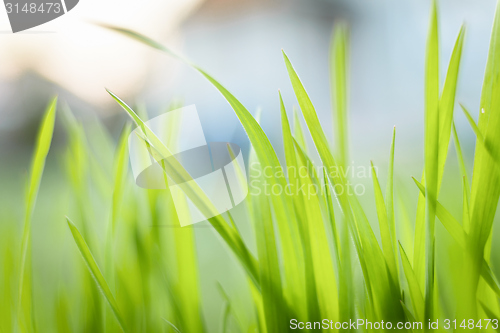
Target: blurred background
x=239, y=42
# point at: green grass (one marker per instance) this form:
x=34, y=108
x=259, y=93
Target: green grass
x=122, y=263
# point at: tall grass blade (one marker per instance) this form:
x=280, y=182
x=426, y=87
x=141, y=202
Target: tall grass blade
x=431, y=154
x=385, y=229
x=389, y=202
x=415, y=292
x=312, y=309
x=369, y=253
x=485, y=187
x=472, y=123
x=409, y=316
x=120, y=172
x=42, y=147
x=447, y=102
x=465, y=181
x=159, y=152
x=491, y=314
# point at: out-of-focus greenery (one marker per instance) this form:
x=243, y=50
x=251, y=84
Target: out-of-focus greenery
x=120, y=261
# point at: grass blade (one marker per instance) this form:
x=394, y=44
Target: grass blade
x=465, y=181
x=42, y=147
x=447, y=102
x=158, y=150
x=445, y=117
x=459, y=235
x=369, y=252
x=338, y=79
x=298, y=132
x=389, y=201
x=485, y=187
x=431, y=153
x=472, y=123
x=385, y=230
x=409, y=316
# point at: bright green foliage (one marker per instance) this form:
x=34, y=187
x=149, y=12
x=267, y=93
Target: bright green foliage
x=311, y=251
x=485, y=187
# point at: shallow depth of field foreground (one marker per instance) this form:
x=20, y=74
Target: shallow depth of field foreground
x=90, y=251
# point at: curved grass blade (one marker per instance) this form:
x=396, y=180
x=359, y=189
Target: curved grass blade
x=225, y=317
x=96, y=272
x=119, y=173
x=385, y=230
x=458, y=234
x=415, y=292
x=465, y=206
x=42, y=147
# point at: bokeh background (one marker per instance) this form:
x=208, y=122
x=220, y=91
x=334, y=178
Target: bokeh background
x=239, y=42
